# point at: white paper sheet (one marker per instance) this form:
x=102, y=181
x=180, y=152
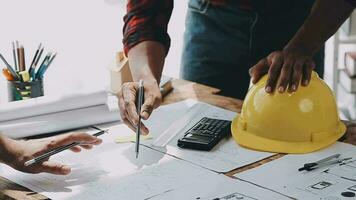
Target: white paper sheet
x=60, y=121
x=111, y=171
x=329, y=182
x=226, y=156
x=51, y=104
x=220, y=187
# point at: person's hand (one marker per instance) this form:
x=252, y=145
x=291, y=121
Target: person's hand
x=350, y=135
x=286, y=69
x=127, y=103
x=17, y=152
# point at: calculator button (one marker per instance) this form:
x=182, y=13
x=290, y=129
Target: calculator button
x=200, y=133
x=204, y=120
x=217, y=133
x=210, y=133
x=200, y=138
x=194, y=132
x=196, y=128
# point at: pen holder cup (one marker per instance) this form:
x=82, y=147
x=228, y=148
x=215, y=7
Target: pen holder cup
x=24, y=90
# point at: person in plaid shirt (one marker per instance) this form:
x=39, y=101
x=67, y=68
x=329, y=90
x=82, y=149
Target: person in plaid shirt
x=223, y=39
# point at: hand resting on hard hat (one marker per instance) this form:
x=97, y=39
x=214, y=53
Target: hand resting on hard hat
x=285, y=69
x=299, y=122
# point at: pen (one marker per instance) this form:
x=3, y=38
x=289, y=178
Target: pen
x=14, y=54
x=58, y=150
x=334, y=159
x=139, y=105
x=11, y=70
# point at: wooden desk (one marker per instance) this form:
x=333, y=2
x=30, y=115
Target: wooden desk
x=182, y=90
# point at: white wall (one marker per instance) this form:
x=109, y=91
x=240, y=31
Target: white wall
x=85, y=33
x=176, y=30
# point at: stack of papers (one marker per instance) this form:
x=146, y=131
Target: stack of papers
x=51, y=104
x=329, y=182
x=55, y=113
x=111, y=171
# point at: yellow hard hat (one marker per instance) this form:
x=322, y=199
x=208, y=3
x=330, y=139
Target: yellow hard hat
x=300, y=122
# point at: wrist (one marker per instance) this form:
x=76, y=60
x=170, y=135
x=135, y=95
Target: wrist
x=153, y=82
x=6, y=149
x=146, y=76
x=146, y=61
x=301, y=50
x=349, y=124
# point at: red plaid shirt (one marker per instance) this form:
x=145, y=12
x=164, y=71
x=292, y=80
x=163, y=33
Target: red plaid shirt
x=148, y=20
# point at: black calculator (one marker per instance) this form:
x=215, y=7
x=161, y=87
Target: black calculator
x=205, y=134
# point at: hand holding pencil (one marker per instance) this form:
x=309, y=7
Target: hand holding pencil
x=17, y=152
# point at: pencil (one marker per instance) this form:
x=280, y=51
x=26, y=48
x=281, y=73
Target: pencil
x=12, y=71
x=14, y=54
x=39, y=56
x=43, y=69
x=22, y=63
x=43, y=65
x=139, y=105
x=34, y=59
x=7, y=75
x=18, y=55
x=51, y=60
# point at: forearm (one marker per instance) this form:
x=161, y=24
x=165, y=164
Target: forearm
x=146, y=61
x=5, y=149
x=323, y=21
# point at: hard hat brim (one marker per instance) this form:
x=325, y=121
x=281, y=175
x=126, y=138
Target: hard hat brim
x=255, y=142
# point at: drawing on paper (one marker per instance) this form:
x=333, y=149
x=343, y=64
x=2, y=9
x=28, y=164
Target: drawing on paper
x=321, y=185
x=352, y=188
x=348, y=194
x=334, y=183
x=235, y=196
